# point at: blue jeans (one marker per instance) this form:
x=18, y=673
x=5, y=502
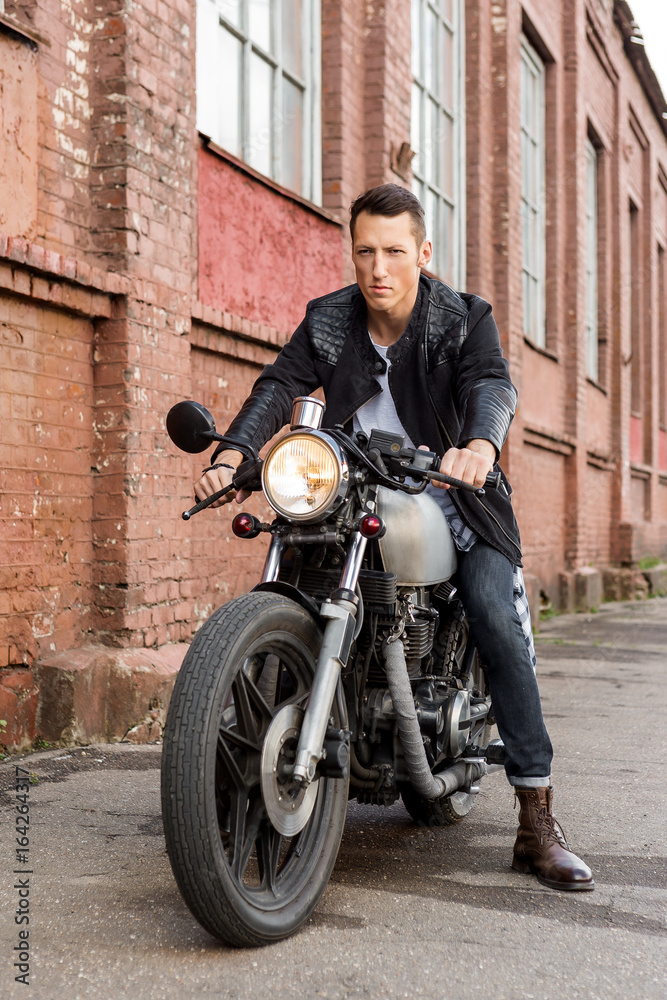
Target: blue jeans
x=485, y=583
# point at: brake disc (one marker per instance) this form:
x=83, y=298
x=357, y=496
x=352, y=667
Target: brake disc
x=287, y=802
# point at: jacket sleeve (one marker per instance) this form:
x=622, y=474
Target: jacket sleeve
x=269, y=405
x=487, y=399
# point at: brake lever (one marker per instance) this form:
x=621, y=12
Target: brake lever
x=492, y=481
x=246, y=478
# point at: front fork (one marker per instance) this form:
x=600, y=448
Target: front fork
x=340, y=614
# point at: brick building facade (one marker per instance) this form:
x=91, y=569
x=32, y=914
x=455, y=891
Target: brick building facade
x=146, y=257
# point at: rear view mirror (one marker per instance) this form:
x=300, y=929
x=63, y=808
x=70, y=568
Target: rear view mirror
x=191, y=427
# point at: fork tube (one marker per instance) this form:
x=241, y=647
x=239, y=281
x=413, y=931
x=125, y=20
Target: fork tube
x=339, y=616
x=272, y=563
x=350, y=574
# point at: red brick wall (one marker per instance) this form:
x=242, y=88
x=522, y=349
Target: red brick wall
x=46, y=402
x=224, y=566
x=343, y=84
x=63, y=118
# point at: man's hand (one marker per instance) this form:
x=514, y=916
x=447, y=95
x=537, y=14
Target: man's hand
x=217, y=479
x=472, y=464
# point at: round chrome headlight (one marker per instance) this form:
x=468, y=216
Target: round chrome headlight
x=305, y=476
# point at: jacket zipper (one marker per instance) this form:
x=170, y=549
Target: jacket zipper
x=493, y=517
x=437, y=417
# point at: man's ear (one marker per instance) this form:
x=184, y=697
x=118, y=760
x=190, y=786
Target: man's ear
x=425, y=254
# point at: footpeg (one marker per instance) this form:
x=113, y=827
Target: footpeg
x=494, y=753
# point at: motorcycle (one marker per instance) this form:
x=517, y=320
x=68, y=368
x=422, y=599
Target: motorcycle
x=348, y=671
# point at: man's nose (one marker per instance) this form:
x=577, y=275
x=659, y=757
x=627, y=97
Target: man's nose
x=379, y=265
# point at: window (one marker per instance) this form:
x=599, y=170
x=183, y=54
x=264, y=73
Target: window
x=662, y=340
x=437, y=127
x=634, y=303
x=533, y=194
x=592, y=359
x=258, y=86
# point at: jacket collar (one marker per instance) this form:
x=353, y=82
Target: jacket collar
x=410, y=337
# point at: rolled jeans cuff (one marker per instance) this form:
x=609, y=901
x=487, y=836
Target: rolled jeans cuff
x=518, y=782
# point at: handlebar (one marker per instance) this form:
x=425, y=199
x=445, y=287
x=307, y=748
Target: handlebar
x=492, y=481
x=246, y=477
x=386, y=457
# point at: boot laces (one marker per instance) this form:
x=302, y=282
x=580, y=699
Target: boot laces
x=549, y=828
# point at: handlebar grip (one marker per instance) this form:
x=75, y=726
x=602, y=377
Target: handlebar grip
x=493, y=480
x=187, y=514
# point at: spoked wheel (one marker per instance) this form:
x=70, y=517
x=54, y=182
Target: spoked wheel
x=251, y=851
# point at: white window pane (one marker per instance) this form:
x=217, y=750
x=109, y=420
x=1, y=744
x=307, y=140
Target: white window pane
x=427, y=141
x=437, y=151
x=447, y=61
x=259, y=22
x=430, y=48
x=229, y=70
x=524, y=165
x=231, y=10
x=437, y=114
x=532, y=194
x=591, y=262
x=415, y=129
x=292, y=132
x=292, y=36
x=260, y=138
x=447, y=153
x=432, y=233
x=416, y=39
x=418, y=191
x=446, y=242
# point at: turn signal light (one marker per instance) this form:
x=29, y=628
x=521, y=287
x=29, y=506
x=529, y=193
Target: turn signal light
x=246, y=526
x=372, y=526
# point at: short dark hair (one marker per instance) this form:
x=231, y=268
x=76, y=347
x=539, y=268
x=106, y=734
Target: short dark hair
x=390, y=200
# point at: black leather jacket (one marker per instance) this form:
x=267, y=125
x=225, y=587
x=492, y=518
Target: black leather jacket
x=448, y=377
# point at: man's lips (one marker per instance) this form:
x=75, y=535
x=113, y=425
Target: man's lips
x=381, y=288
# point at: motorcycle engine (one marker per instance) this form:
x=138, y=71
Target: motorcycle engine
x=443, y=713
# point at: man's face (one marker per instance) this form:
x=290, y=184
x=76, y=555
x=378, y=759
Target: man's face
x=387, y=259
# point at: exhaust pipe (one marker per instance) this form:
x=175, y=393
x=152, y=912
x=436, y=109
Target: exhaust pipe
x=429, y=786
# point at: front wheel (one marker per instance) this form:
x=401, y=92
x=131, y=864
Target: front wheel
x=245, y=882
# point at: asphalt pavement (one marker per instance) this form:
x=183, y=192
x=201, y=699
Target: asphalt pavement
x=409, y=912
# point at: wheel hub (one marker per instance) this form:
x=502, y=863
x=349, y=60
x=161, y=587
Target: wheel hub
x=287, y=802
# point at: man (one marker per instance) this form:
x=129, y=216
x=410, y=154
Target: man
x=406, y=353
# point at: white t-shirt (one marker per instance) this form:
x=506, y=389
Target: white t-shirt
x=380, y=412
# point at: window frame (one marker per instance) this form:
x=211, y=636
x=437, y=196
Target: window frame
x=662, y=333
x=453, y=270
x=533, y=273
x=216, y=15
x=592, y=325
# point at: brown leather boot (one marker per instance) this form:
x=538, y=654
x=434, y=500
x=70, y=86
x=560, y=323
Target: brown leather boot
x=540, y=845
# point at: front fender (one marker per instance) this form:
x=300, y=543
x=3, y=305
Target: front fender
x=296, y=595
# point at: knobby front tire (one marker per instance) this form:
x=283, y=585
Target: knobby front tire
x=244, y=882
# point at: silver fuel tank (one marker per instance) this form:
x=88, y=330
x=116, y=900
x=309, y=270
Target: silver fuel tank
x=418, y=546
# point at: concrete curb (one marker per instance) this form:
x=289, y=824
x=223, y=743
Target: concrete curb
x=90, y=694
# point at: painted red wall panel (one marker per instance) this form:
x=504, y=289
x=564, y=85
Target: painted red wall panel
x=261, y=254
